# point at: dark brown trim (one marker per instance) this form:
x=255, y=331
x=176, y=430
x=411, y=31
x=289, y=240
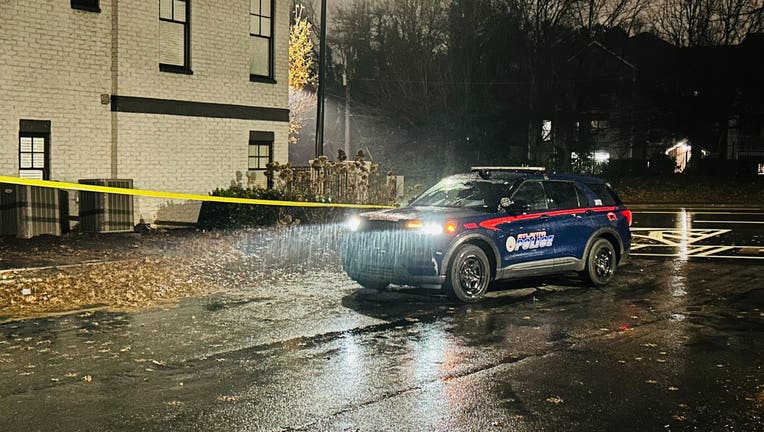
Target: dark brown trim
x=175, y=69
x=86, y=5
x=34, y=126
x=261, y=79
x=196, y=109
x=261, y=136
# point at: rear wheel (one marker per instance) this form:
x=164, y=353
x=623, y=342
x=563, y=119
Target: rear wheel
x=600, y=264
x=469, y=274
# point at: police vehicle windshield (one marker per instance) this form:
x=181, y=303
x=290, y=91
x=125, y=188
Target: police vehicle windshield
x=475, y=194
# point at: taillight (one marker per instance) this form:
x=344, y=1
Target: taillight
x=627, y=215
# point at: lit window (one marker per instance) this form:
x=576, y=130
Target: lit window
x=261, y=40
x=260, y=151
x=174, y=36
x=546, y=130
x=259, y=155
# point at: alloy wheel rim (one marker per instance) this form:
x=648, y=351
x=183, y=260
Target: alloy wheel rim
x=472, y=276
x=603, y=263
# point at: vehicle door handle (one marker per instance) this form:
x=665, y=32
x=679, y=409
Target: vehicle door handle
x=589, y=212
x=544, y=217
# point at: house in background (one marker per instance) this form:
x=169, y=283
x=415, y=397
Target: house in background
x=635, y=99
x=177, y=95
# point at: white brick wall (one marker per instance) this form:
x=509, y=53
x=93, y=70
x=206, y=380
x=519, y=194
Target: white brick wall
x=205, y=156
x=56, y=62
x=219, y=60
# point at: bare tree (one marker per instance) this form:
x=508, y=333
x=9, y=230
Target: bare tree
x=684, y=22
x=595, y=16
x=736, y=18
x=541, y=24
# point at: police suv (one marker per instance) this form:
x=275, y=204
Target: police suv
x=491, y=224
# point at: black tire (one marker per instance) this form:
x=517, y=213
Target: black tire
x=373, y=284
x=469, y=274
x=601, y=264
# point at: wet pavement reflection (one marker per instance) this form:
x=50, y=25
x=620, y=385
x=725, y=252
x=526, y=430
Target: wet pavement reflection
x=675, y=343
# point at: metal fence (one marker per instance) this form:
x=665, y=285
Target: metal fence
x=345, y=182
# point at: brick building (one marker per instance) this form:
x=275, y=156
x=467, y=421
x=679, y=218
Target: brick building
x=178, y=95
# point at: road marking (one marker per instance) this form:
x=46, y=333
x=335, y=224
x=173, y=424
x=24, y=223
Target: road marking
x=686, y=243
x=728, y=222
x=674, y=237
x=711, y=250
x=640, y=254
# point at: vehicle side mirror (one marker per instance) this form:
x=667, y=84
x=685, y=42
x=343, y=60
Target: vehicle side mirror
x=505, y=203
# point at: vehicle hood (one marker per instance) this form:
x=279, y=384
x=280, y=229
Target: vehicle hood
x=420, y=213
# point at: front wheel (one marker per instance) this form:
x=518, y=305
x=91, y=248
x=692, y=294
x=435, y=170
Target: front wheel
x=600, y=264
x=469, y=274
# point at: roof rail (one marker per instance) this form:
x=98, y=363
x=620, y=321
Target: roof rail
x=508, y=168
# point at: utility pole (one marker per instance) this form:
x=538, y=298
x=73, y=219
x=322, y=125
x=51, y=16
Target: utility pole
x=321, y=84
x=346, y=83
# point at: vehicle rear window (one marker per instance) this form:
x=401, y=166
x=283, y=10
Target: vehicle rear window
x=561, y=195
x=605, y=196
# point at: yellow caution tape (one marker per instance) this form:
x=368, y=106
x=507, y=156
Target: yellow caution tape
x=179, y=196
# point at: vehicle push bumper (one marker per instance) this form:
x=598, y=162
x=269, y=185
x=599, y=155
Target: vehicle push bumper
x=393, y=259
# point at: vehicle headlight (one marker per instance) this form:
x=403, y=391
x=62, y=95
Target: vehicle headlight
x=433, y=228
x=354, y=223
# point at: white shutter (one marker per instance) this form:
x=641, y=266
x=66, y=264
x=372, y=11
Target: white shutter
x=172, y=43
x=259, y=56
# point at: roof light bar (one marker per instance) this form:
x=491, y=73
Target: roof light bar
x=509, y=168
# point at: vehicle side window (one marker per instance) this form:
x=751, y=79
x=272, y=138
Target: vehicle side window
x=532, y=193
x=583, y=200
x=561, y=195
x=604, y=195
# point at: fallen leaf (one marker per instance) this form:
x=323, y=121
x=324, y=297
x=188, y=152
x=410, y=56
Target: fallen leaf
x=555, y=400
x=672, y=388
x=227, y=398
x=87, y=378
x=651, y=382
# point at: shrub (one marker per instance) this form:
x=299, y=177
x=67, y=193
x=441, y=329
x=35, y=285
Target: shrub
x=215, y=215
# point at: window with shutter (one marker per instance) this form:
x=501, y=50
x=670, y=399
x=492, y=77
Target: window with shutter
x=174, y=36
x=261, y=44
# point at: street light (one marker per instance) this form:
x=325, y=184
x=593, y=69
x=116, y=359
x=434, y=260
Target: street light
x=321, y=83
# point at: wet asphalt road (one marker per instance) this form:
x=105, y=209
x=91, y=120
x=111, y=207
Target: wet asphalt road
x=675, y=343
